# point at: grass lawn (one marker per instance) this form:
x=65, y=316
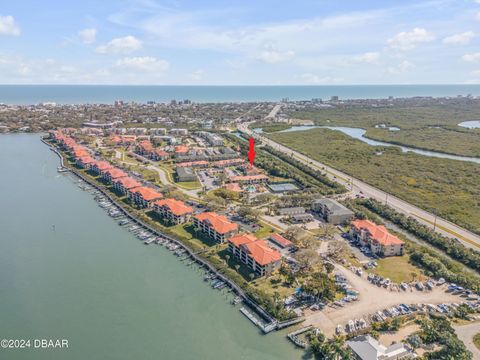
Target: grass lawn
x=189, y=185
x=263, y=231
x=272, y=284
x=397, y=269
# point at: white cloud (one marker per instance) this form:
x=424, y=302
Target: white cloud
x=408, y=40
x=144, y=63
x=272, y=56
x=368, y=57
x=476, y=73
x=8, y=26
x=197, y=75
x=477, y=16
x=127, y=44
x=459, y=39
x=402, y=67
x=315, y=79
x=474, y=57
x=88, y=36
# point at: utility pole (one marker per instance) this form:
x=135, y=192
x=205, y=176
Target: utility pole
x=434, y=220
x=386, y=198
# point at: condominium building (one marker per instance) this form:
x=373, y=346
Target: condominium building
x=172, y=210
x=215, y=226
x=125, y=184
x=377, y=238
x=113, y=174
x=254, y=253
x=84, y=162
x=143, y=196
x=249, y=179
x=99, y=166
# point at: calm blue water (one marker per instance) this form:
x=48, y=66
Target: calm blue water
x=106, y=94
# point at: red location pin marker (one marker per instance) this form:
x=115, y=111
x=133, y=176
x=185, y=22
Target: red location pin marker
x=251, y=151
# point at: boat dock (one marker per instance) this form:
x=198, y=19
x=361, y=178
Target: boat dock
x=293, y=336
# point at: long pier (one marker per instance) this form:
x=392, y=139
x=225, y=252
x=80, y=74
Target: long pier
x=270, y=320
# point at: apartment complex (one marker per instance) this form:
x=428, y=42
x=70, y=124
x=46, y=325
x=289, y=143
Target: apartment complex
x=125, y=184
x=377, y=238
x=143, y=196
x=215, y=226
x=113, y=174
x=254, y=253
x=174, y=211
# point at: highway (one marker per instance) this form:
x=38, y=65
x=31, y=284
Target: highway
x=356, y=186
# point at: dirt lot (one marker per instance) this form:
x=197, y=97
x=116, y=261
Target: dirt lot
x=370, y=300
x=389, y=338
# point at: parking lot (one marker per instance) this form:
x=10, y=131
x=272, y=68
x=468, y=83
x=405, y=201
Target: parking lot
x=209, y=182
x=371, y=299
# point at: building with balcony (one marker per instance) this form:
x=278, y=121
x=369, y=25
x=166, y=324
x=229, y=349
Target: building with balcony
x=215, y=226
x=254, y=253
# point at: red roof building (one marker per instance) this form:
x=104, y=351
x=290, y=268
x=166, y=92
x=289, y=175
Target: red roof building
x=181, y=149
x=100, y=166
x=216, y=226
x=172, y=210
x=85, y=162
x=255, y=253
x=200, y=164
x=228, y=162
x=124, y=184
x=145, y=147
x=143, y=196
x=113, y=174
x=159, y=154
x=249, y=179
x=280, y=240
x=377, y=237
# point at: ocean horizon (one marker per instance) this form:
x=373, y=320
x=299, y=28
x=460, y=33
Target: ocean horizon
x=108, y=94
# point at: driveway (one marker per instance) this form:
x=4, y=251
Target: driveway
x=466, y=334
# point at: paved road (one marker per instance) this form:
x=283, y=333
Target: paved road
x=356, y=186
x=466, y=334
x=166, y=181
x=274, y=112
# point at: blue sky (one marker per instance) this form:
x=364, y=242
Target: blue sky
x=240, y=42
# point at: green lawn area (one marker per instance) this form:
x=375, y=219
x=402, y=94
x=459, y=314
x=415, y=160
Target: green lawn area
x=189, y=185
x=476, y=340
x=181, y=231
x=272, y=284
x=397, y=269
x=263, y=231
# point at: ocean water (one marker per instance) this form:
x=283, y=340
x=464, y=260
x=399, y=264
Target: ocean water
x=107, y=94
